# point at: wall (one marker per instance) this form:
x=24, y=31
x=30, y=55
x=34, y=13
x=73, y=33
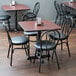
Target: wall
x=47, y=10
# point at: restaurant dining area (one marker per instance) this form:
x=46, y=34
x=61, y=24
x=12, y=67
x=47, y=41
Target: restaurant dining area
x=38, y=38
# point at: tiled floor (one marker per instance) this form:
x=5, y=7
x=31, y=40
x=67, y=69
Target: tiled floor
x=22, y=67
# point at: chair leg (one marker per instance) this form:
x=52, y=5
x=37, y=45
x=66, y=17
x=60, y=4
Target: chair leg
x=28, y=51
x=48, y=55
x=11, y=56
x=8, y=51
x=23, y=46
x=35, y=56
x=40, y=63
x=52, y=55
x=61, y=45
x=57, y=59
x=68, y=48
x=28, y=48
x=8, y=22
x=56, y=19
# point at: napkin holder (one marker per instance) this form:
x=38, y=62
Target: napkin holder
x=13, y=3
x=39, y=22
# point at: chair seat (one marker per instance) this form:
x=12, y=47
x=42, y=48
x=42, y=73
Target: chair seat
x=30, y=15
x=4, y=17
x=31, y=33
x=56, y=36
x=50, y=45
x=72, y=15
x=19, y=40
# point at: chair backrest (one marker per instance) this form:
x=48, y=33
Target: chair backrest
x=64, y=9
x=45, y=37
x=57, y=7
x=36, y=8
x=8, y=35
x=59, y=12
x=67, y=25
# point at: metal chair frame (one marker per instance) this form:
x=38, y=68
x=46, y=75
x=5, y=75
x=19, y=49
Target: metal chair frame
x=25, y=45
x=32, y=15
x=5, y=18
x=66, y=28
x=46, y=45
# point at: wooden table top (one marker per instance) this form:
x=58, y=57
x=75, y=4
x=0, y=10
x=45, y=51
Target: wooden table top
x=70, y=4
x=15, y=7
x=32, y=26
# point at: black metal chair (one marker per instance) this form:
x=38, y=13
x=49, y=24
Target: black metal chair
x=44, y=46
x=66, y=28
x=17, y=40
x=59, y=12
x=32, y=15
x=6, y=18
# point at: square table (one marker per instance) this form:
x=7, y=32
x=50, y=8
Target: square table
x=15, y=8
x=31, y=26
